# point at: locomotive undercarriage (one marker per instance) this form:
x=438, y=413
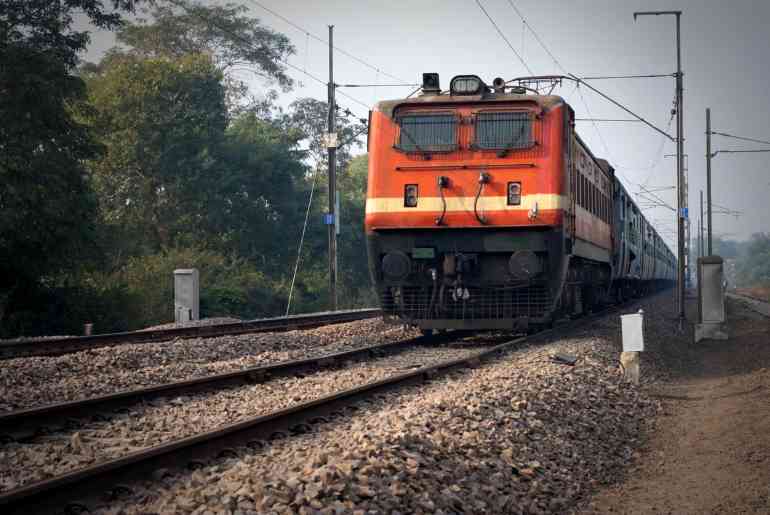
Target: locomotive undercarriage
x=483, y=279
x=467, y=278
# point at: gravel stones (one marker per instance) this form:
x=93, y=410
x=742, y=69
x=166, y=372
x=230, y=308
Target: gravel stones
x=203, y=322
x=167, y=419
x=32, y=381
x=519, y=435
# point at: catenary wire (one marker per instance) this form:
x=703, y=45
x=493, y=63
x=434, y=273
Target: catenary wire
x=579, y=80
x=286, y=63
x=500, y=32
x=324, y=41
x=650, y=76
x=724, y=134
x=537, y=37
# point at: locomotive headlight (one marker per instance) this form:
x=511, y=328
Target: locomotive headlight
x=514, y=193
x=396, y=265
x=524, y=264
x=466, y=85
x=410, y=195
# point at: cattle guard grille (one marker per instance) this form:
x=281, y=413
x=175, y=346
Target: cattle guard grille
x=488, y=302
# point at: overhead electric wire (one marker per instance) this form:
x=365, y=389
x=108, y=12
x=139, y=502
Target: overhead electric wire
x=659, y=154
x=286, y=63
x=741, y=138
x=377, y=85
x=726, y=210
x=740, y=151
x=651, y=196
x=582, y=80
x=606, y=120
x=650, y=76
x=621, y=106
x=301, y=241
x=596, y=127
x=537, y=38
x=324, y=41
x=503, y=36
x=661, y=188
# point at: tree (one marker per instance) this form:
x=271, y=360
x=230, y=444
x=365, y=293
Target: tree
x=162, y=122
x=46, y=207
x=238, y=44
x=263, y=191
x=355, y=280
x=310, y=116
x=754, y=266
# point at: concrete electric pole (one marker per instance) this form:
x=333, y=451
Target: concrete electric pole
x=708, y=175
x=331, y=145
x=681, y=211
x=702, y=249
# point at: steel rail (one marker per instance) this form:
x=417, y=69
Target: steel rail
x=755, y=304
x=25, y=424
x=79, y=488
x=65, y=345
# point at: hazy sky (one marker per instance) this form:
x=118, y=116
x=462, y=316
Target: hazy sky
x=725, y=54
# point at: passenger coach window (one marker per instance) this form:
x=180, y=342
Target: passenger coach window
x=503, y=130
x=427, y=133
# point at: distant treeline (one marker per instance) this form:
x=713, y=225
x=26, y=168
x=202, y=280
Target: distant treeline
x=159, y=157
x=751, y=259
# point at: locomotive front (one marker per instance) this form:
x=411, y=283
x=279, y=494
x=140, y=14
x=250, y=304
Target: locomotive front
x=465, y=205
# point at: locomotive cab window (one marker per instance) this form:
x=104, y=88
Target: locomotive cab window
x=427, y=133
x=503, y=130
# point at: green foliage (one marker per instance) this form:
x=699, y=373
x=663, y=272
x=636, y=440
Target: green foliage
x=162, y=123
x=46, y=205
x=50, y=310
x=229, y=286
x=754, y=266
x=310, y=117
x=264, y=189
x=238, y=44
x=153, y=160
x=356, y=283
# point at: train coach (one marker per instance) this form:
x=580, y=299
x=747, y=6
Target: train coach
x=486, y=210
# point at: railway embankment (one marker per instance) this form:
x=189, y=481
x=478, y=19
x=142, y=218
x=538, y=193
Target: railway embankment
x=520, y=434
x=710, y=451
x=34, y=381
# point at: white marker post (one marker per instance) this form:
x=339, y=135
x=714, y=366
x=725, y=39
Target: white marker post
x=632, y=327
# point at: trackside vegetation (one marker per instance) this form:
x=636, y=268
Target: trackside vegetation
x=157, y=157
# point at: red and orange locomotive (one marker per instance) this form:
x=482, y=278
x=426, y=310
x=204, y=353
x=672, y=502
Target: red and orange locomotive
x=486, y=210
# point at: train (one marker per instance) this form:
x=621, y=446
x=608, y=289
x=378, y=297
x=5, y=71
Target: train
x=485, y=210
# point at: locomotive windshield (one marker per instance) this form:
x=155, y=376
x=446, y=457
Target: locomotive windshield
x=501, y=130
x=427, y=133
x=437, y=132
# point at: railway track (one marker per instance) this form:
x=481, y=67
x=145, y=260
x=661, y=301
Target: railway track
x=760, y=306
x=23, y=425
x=65, y=345
x=77, y=489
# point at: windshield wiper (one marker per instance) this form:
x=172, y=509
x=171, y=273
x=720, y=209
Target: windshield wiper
x=418, y=147
x=509, y=146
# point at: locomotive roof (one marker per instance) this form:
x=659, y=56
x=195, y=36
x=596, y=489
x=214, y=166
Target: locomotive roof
x=547, y=102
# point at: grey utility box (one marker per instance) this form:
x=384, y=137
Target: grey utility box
x=186, y=295
x=711, y=299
